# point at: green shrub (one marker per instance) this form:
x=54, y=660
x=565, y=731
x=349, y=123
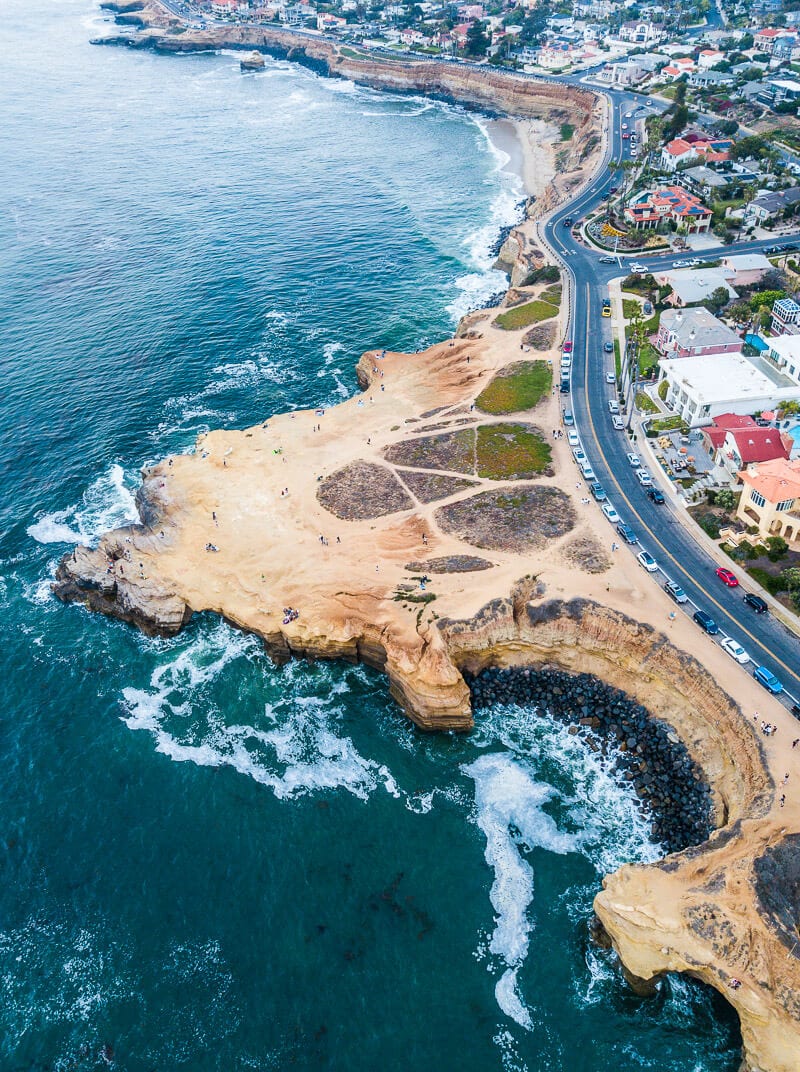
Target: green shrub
x=663, y=389
x=522, y=316
x=772, y=584
x=777, y=548
x=520, y=386
x=548, y=273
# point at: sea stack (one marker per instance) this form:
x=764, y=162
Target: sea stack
x=253, y=61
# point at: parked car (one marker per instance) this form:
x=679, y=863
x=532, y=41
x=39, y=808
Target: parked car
x=618, y=423
x=606, y=310
x=646, y=561
x=564, y=389
x=734, y=649
x=613, y=406
x=655, y=495
x=611, y=513
x=705, y=621
x=625, y=137
x=628, y=535
x=644, y=478
x=588, y=474
x=674, y=591
x=599, y=492
x=567, y=347
x=579, y=456
x=608, y=347
x=766, y=678
x=727, y=577
x=647, y=308
x=566, y=361
x=573, y=439
x=634, y=460
x=611, y=377
x=569, y=420
x=758, y=604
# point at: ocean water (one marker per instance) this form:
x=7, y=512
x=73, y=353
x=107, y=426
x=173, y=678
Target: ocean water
x=209, y=863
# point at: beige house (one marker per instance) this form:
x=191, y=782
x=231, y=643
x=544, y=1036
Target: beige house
x=771, y=499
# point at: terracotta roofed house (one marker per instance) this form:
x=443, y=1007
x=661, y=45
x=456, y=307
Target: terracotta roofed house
x=668, y=203
x=771, y=498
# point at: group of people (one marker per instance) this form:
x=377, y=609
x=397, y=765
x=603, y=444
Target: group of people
x=767, y=728
x=558, y=433
x=290, y=615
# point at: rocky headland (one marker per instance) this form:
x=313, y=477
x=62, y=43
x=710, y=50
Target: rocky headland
x=434, y=527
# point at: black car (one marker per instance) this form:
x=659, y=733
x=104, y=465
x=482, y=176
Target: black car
x=758, y=604
x=655, y=495
x=565, y=387
x=705, y=621
x=606, y=260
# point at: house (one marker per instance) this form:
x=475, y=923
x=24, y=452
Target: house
x=750, y=445
x=330, y=22
x=701, y=388
x=694, y=333
x=223, y=8
x=677, y=69
x=704, y=182
x=694, y=146
x=771, y=499
x=690, y=286
x=764, y=40
x=784, y=355
x=710, y=57
x=641, y=33
x=668, y=203
x=296, y=14
x=785, y=316
x=704, y=79
x=714, y=434
x=746, y=268
x=769, y=205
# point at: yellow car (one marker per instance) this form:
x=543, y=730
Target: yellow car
x=606, y=310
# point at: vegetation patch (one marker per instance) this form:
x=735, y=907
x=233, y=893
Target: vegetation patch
x=587, y=554
x=552, y=294
x=512, y=452
x=450, y=450
x=548, y=273
x=428, y=487
x=363, y=490
x=517, y=387
x=542, y=337
x=522, y=316
x=666, y=424
x=521, y=521
x=567, y=130
x=450, y=564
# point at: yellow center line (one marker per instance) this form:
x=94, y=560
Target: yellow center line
x=646, y=527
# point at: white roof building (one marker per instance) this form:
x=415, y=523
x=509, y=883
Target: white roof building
x=691, y=285
x=784, y=354
x=701, y=388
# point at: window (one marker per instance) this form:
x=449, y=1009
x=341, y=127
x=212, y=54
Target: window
x=785, y=505
x=757, y=497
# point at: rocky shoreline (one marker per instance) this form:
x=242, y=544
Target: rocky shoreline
x=642, y=748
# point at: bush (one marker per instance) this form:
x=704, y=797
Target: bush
x=548, y=273
x=663, y=390
x=776, y=548
x=522, y=316
x=725, y=499
x=710, y=524
x=772, y=584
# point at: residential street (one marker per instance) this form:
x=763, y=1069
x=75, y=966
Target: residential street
x=660, y=528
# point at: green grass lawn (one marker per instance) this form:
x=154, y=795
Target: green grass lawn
x=511, y=452
x=645, y=403
x=648, y=356
x=567, y=130
x=617, y=360
x=520, y=386
x=631, y=308
x=552, y=294
x=666, y=424
x=522, y=316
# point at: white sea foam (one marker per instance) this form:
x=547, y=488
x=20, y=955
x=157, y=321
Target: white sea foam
x=509, y=810
x=294, y=746
x=105, y=505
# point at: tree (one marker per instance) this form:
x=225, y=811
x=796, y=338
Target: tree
x=717, y=299
x=477, y=41
x=777, y=547
x=725, y=499
x=765, y=299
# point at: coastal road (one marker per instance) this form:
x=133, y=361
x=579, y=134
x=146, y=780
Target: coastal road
x=658, y=527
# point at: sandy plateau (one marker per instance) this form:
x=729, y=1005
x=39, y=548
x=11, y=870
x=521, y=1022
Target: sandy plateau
x=417, y=528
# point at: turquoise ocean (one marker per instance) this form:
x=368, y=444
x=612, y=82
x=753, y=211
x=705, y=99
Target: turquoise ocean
x=209, y=863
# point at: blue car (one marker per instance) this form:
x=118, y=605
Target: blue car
x=768, y=680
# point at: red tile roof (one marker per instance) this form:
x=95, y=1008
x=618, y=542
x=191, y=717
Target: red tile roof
x=759, y=445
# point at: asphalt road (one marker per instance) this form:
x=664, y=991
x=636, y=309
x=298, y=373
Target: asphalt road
x=680, y=557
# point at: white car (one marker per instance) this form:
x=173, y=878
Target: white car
x=634, y=154
x=613, y=406
x=611, y=513
x=634, y=460
x=624, y=126
x=646, y=560
x=734, y=649
x=566, y=361
x=611, y=377
x=580, y=457
x=628, y=115
x=573, y=439
x=618, y=423
x=636, y=267
x=588, y=474
x=644, y=478
x=680, y=264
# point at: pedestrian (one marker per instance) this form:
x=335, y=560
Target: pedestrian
x=783, y=799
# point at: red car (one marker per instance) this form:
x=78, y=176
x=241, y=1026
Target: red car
x=625, y=137
x=567, y=347
x=727, y=577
